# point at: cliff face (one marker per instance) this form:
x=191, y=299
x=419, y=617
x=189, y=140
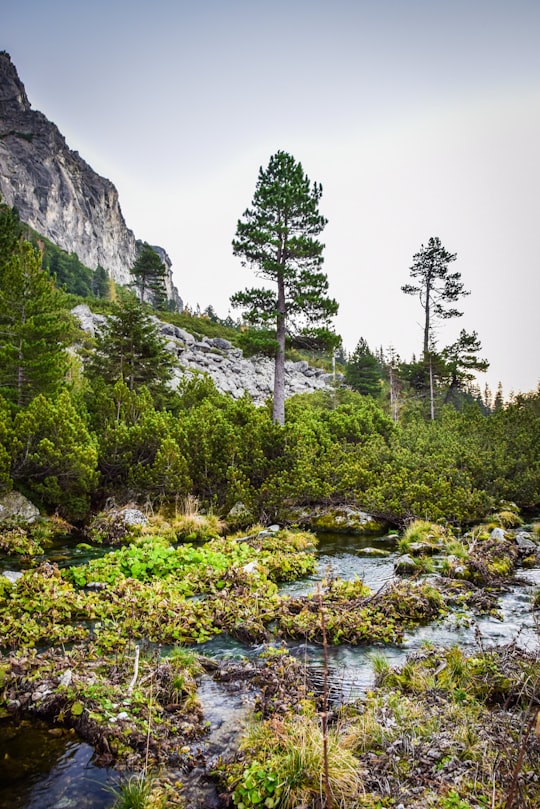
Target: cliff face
x=56, y=192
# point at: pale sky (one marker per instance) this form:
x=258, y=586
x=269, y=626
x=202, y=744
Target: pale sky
x=419, y=117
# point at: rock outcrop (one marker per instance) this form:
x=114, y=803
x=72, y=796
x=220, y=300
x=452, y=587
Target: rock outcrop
x=230, y=371
x=235, y=374
x=56, y=192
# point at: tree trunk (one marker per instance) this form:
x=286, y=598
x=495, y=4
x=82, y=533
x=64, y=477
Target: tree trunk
x=427, y=324
x=431, y=393
x=279, y=367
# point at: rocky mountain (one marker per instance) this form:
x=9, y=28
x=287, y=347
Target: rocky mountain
x=56, y=192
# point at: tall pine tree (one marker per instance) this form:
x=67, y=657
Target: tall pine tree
x=277, y=236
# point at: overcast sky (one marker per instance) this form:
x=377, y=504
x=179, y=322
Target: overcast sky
x=419, y=117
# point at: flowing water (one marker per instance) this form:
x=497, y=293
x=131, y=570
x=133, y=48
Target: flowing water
x=40, y=770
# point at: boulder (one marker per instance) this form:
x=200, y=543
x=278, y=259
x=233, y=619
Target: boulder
x=373, y=552
x=132, y=516
x=405, y=564
x=15, y=507
x=337, y=520
x=12, y=575
x=424, y=548
x=525, y=543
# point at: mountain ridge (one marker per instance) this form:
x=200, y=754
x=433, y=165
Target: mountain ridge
x=58, y=193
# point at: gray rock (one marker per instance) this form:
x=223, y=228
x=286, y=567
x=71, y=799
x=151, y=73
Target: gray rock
x=230, y=371
x=132, y=516
x=300, y=367
x=373, y=552
x=420, y=548
x=86, y=318
x=66, y=678
x=57, y=192
x=168, y=329
x=185, y=336
x=336, y=519
x=498, y=535
x=15, y=507
x=12, y=575
x=405, y=564
x=525, y=543
x=221, y=344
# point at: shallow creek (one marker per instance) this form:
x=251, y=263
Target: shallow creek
x=42, y=770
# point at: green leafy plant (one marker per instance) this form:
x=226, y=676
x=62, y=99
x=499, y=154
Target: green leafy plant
x=453, y=801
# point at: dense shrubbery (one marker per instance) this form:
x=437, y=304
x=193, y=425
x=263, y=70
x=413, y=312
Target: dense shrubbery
x=69, y=455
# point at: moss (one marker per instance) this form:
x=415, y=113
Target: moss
x=338, y=520
x=507, y=519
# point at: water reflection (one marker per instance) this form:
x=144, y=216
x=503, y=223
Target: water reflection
x=49, y=769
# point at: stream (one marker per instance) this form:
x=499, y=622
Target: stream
x=43, y=768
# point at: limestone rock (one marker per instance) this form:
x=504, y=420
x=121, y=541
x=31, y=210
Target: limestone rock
x=132, y=516
x=15, y=507
x=233, y=373
x=525, y=543
x=88, y=321
x=57, y=193
x=12, y=575
x=404, y=564
x=226, y=365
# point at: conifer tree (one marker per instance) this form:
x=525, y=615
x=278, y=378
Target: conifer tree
x=34, y=329
x=498, y=402
x=149, y=274
x=363, y=372
x=277, y=236
x=100, y=283
x=461, y=360
x=436, y=287
x=10, y=233
x=130, y=348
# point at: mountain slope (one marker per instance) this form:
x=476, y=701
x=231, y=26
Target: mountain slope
x=56, y=192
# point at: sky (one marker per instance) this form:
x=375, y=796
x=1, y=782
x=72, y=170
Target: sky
x=419, y=118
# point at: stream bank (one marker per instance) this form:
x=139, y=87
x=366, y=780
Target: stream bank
x=220, y=710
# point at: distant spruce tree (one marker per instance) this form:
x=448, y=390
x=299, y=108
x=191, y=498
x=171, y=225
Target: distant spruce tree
x=149, y=273
x=462, y=360
x=363, y=370
x=100, y=283
x=10, y=232
x=130, y=348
